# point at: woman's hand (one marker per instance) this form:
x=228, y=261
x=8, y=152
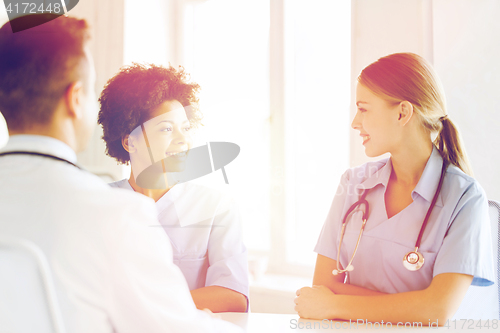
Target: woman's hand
x=315, y=303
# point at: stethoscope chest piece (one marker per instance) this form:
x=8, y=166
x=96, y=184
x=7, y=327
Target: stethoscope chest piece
x=413, y=260
x=349, y=268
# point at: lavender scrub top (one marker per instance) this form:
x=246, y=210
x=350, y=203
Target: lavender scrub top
x=456, y=239
x=204, y=227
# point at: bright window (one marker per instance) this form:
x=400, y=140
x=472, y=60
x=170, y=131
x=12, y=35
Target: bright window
x=226, y=50
x=317, y=72
x=248, y=55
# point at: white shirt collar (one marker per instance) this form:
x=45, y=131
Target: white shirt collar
x=429, y=180
x=40, y=144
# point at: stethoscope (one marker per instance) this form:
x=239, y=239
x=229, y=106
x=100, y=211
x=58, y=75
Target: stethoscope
x=39, y=154
x=413, y=260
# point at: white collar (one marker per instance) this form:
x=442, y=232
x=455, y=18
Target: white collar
x=40, y=144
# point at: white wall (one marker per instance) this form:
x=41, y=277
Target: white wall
x=380, y=28
x=142, y=18
x=106, y=21
x=4, y=135
x=467, y=58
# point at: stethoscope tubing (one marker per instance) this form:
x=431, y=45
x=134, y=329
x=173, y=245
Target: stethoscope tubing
x=362, y=201
x=39, y=154
x=429, y=211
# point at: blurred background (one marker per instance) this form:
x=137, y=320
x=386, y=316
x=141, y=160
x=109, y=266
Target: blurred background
x=278, y=79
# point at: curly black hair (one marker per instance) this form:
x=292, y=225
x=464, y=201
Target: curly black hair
x=130, y=96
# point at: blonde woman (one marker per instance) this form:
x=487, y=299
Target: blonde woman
x=405, y=236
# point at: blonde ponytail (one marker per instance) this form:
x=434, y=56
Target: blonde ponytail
x=449, y=144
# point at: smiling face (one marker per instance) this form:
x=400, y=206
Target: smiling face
x=165, y=137
x=377, y=121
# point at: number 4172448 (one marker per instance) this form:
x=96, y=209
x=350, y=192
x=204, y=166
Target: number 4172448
x=471, y=324
x=33, y=8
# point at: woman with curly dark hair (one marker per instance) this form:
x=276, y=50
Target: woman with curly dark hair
x=147, y=113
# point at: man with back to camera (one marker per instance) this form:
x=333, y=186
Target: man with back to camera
x=112, y=268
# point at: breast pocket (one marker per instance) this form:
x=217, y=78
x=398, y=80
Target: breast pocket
x=402, y=279
x=378, y=264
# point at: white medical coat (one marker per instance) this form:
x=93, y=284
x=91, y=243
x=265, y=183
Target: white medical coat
x=112, y=267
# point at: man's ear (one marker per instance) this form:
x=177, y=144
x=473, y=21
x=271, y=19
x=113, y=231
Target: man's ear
x=75, y=99
x=128, y=144
x=405, y=110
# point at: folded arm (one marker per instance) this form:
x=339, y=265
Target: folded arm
x=323, y=277
x=438, y=302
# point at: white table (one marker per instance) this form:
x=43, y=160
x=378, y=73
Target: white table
x=278, y=323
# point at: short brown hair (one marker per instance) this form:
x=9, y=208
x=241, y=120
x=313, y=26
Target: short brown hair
x=37, y=65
